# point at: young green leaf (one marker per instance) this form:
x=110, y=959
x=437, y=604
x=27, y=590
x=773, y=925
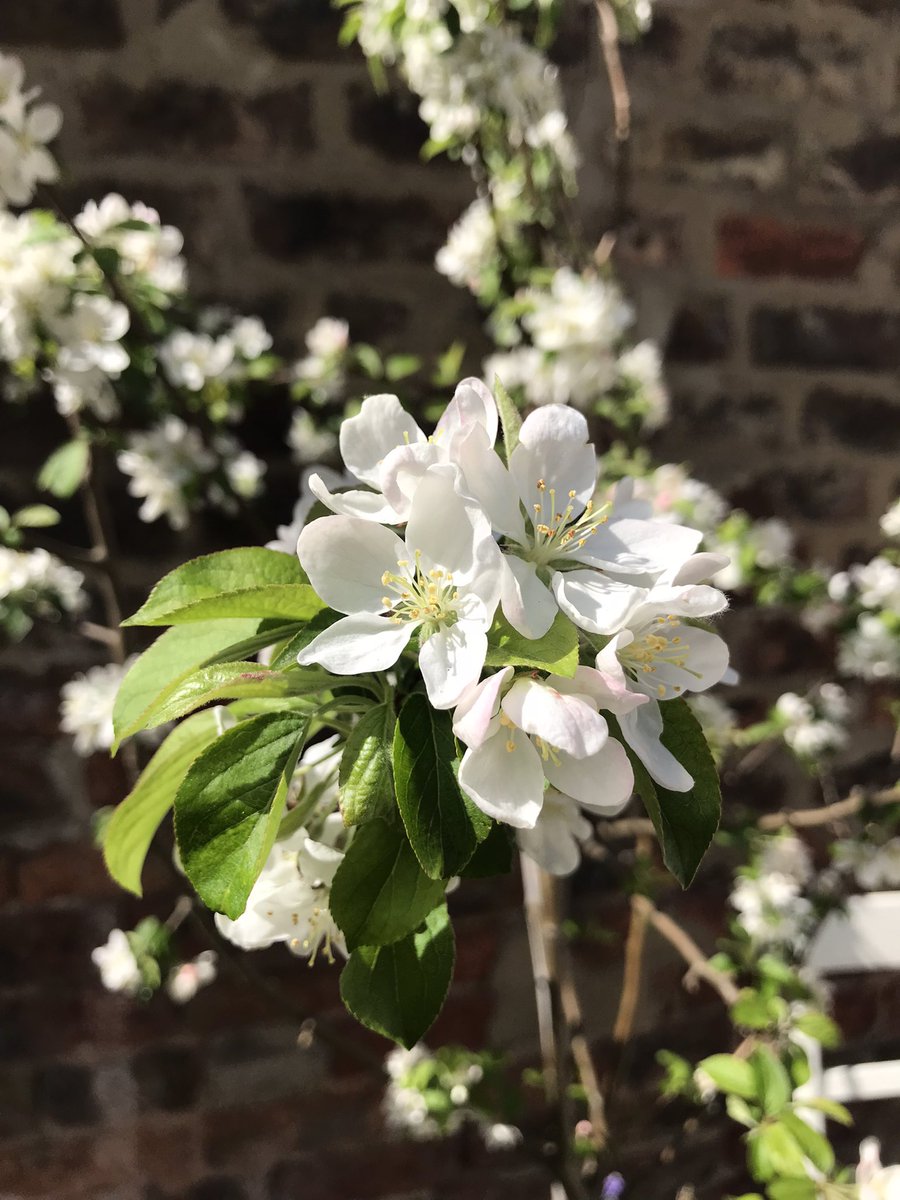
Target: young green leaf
x=229, y=806
x=509, y=417
x=130, y=829
x=380, y=893
x=172, y=656
x=816, y=1147
x=286, y=655
x=831, y=1109
x=443, y=829
x=556, y=651
x=685, y=822
x=793, y=1189
x=493, y=856
x=817, y=1025
x=773, y=1084
x=35, y=516
x=398, y=990
x=774, y=1151
x=247, y=582
x=731, y=1075
x=65, y=469
x=366, y=775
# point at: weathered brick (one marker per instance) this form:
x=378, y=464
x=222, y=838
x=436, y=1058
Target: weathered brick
x=388, y=123
x=290, y=30
x=168, y=1077
x=822, y=338
x=831, y=493
x=64, y=1093
x=871, y=165
x=863, y=422
x=75, y=25
x=755, y=56
x=72, y=869
x=344, y=227
x=701, y=331
x=762, y=247
x=745, y=153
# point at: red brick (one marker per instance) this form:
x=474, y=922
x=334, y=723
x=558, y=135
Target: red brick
x=763, y=247
x=70, y=869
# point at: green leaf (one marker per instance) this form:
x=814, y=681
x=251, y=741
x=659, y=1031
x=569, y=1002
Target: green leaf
x=247, y=582
x=773, y=1084
x=130, y=829
x=776, y=1153
x=172, y=656
x=685, y=822
x=400, y=366
x=731, y=1075
x=380, y=893
x=398, y=990
x=814, y=1145
x=556, y=651
x=64, y=471
x=230, y=803
x=740, y=1111
x=286, y=656
x=831, y=1109
x=816, y=1025
x=793, y=1189
x=366, y=775
x=443, y=829
x=753, y=1010
x=493, y=856
x=509, y=417
x=35, y=516
x=224, y=681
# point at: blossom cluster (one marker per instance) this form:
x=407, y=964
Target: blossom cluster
x=25, y=129
x=768, y=898
x=35, y=583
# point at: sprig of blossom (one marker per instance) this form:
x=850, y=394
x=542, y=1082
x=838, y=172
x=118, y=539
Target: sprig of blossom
x=26, y=128
x=86, y=711
x=35, y=583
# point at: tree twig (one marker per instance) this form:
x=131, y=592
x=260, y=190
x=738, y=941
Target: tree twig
x=581, y=1051
x=631, y=983
x=808, y=818
x=689, y=950
x=608, y=30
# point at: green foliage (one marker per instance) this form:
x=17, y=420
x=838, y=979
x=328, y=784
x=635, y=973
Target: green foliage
x=556, y=651
x=380, y=893
x=398, y=990
x=731, y=1075
x=442, y=825
x=366, y=774
x=247, y=582
x=229, y=805
x=35, y=516
x=65, y=470
x=509, y=417
x=129, y=831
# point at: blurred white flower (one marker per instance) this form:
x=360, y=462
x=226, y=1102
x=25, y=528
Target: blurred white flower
x=871, y=650
x=890, y=522
x=119, y=971
x=250, y=337
x=190, y=359
x=186, y=980
x=87, y=707
x=154, y=252
x=471, y=246
x=309, y=440
x=641, y=366
x=245, y=474
x=163, y=464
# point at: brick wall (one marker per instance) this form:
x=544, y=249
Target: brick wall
x=763, y=247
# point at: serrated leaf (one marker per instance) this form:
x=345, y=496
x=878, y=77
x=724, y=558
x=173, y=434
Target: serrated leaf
x=398, y=990
x=773, y=1084
x=556, y=651
x=131, y=828
x=247, y=582
x=731, y=1075
x=814, y=1145
x=509, y=417
x=172, y=656
x=286, y=655
x=443, y=829
x=229, y=806
x=777, y=1152
x=380, y=894
x=493, y=856
x=366, y=775
x=64, y=471
x=831, y=1108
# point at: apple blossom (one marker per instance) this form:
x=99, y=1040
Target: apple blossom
x=118, y=967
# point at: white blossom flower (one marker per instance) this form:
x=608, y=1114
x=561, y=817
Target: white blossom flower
x=890, y=522
x=874, y=867
x=250, y=338
x=878, y=583
x=539, y=732
x=771, y=910
x=444, y=581
x=87, y=707
x=328, y=338
x=310, y=440
x=871, y=650
x=554, y=842
x=876, y=1182
x=186, y=980
x=119, y=971
x=36, y=575
x=641, y=366
x=90, y=354
x=785, y=856
x=670, y=494
x=471, y=246
x=164, y=464
x=245, y=474
x=25, y=130
x=191, y=359
x=289, y=901
x=807, y=732
x=153, y=253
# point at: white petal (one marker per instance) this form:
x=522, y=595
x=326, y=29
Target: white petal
x=553, y=447
x=366, y=506
x=604, y=782
x=694, y=600
x=567, y=722
x=359, y=643
x=701, y=567
x=345, y=559
x=472, y=404
x=478, y=707
x=594, y=601
x=451, y=660
x=527, y=603
x=489, y=483
x=449, y=532
x=706, y=661
x=507, y=784
x=608, y=689
x=634, y=547
x=553, y=843
x=402, y=471
x=641, y=730
x=379, y=427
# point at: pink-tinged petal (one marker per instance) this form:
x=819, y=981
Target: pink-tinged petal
x=608, y=689
x=488, y=482
x=527, y=603
x=345, y=559
x=504, y=778
x=364, y=506
x=565, y=722
x=475, y=716
x=604, y=783
x=553, y=843
x=472, y=404
x=553, y=448
x=451, y=661
x=634, y=547
x=594, y=601
x=641, y=729
x=359, y=643
x=378, y=428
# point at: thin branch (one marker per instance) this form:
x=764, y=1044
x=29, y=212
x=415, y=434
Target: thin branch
x=581, y=1051
x=608, y=31
x=689, y=950
x=631, y=983
x=809, y=818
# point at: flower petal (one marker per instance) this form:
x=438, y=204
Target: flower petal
x=489, y=483
x=604, y=782
x=641, y=729
x=553, y=448
x=449, y=532
x=594, y=601
x=365, y=506
x=379, y=427
x=402, y=471
x=553, y=843
x=478, y=707
x=451, y=661
x=705, y=658
x=345, y=559
x=472, y=404
x=359, y=643
x=566, y=722
x=633, y=547
x=701, y=567
x=608, y=689
x=507, y=784
x=527, y=603
x=694, y=600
